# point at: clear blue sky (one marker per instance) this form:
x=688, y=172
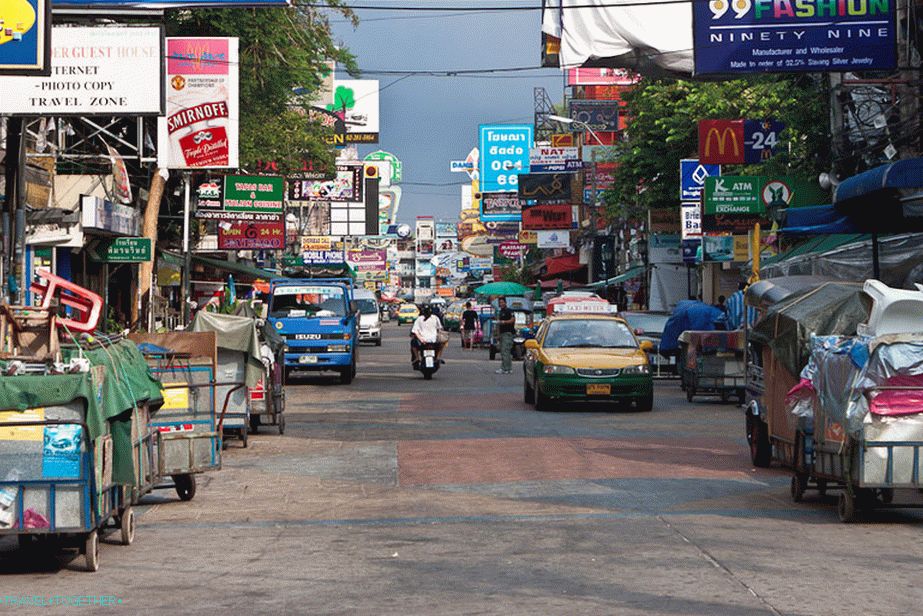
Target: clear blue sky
x=428, y=121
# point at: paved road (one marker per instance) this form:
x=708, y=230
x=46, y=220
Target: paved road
x=399, y=496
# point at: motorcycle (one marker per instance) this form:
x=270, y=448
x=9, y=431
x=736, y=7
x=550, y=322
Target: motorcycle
x=429, y=363
x=519, y=342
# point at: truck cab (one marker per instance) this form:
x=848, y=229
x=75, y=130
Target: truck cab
x=318, y=320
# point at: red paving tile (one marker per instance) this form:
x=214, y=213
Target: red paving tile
x=500, y=460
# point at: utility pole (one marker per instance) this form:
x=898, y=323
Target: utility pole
x=187, y=253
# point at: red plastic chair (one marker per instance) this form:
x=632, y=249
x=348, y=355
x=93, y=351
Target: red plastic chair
x=88, y=305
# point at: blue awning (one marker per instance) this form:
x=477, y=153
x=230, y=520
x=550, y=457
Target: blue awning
x=816, y=220
x=887, y=199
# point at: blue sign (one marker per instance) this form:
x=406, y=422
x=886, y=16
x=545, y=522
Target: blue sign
x=782, y=36
x=567, y=166
x=504, y=155
x=692, y=178
x=691, y=250
x=761, y=139
x=25, y=37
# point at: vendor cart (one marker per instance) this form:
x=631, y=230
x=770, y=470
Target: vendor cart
x=712, y=363
x=267, y=397
x=860, y=406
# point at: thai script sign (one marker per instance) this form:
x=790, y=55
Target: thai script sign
x=504, y=154
x=252, y=235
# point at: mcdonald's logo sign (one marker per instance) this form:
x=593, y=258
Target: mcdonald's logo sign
x=721, y=142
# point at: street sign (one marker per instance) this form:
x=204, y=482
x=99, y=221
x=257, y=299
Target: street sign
x=122, y=250
x=692, y=178
x=734, y=194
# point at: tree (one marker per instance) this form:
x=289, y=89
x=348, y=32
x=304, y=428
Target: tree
x=280, y=49
x=664, y=129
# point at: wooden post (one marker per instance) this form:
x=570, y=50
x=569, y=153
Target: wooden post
x=149, y=230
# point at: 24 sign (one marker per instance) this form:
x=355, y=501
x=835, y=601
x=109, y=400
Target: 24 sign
x=738, y=141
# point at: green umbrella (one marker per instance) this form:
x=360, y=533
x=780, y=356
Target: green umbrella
x=502, y=288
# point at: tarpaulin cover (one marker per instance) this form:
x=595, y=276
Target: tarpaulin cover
x=843, y=368
x=817, y=220
x=887, y=199
x=234, y=334
x=638, y=35
x=710, y=343
x=768, y=291
x=126, y=382
x=833, y=308
x=689, y=315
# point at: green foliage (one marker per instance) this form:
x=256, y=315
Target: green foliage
x=663, y=130
x=280, y=49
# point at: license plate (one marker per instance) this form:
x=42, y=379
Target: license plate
x=598, y=389
x=429, y=353
x=430, y=362
x=307, y=359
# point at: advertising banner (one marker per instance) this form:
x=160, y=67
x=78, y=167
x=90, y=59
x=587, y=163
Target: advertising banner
x=553, y=239
x=25, y=37
x=368, y=264
x=738, y=141
x=598, y=115
x=513, y=250
x=691, y=223
x=690, y=248
x=734, y=194
x=200, y=130
x=562, y=140
x=396, y=166
x=500, y=206
x=499, y=232
x=345, y=187
x=785, y=36
x=164, y=4
x=545, y=187
x=356, y=102
x=446, y=229
x=545, y=155
x=692, y=178
x=252, y=235
x=547, y=217
x=718, y=248
x=97, y=71
x=504, y=154
x=316, y=242
x=322, y=257
x=528, y=237
x=446, y=244
x=567, y=166
x=253, y=193
x=601, y=77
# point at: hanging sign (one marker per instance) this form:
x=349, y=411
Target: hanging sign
x=597, y=115
x=500, y=206
x=251, y=235
x=692, y=178
x=545, y=187
x=345, y=187
x=504, y=154
x=547, y=217
x=253, y=193
x=200, y=129
x=691, y=223
x=512, y=250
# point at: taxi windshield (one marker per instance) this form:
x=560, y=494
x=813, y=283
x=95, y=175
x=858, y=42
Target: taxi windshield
x=308, y=302
x=588, y=333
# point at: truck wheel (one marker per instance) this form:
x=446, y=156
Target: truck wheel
x=798, y=487
x=91, y=552
x=346, y=375
x=846, y=506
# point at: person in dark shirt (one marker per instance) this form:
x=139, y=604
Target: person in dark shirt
x=469, y=324
x=506, y=325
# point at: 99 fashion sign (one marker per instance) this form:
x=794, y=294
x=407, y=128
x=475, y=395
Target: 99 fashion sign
x=201, y=127
x=778, y=36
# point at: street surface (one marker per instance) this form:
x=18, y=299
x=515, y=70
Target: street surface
x=399, y=496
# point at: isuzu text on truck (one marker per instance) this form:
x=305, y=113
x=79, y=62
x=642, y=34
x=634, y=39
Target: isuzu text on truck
x=317, y=318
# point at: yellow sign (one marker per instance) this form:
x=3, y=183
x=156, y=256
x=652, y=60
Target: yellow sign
x=528, y=237
x=741, y=248
x=175, y=397
x=721, y=138
x=315, y=242
x=22, y=433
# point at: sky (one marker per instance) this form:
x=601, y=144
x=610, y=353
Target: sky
x=428, y=121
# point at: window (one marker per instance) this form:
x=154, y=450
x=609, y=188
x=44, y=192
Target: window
x=589, y=333
x=308, y=302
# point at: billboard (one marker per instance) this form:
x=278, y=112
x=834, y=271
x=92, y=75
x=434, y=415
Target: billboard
x=597, y=115
x=97, y=71
x=783, y=36
x=200, y=128
x=543, y=217
x=355, y=101
x=738, y=141
x=345, y=187
x=545, y=187
x=25, y=37
x=104, y=5
x=500, y=206
x=251, y=235
x=553, y=239
x=253, y=193
x=504, y=154
x=692, y=178
x=601, y=77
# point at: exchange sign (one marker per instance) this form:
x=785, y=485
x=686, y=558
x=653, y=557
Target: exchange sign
x=734, y=194
x=504, y=154
x=779, y=36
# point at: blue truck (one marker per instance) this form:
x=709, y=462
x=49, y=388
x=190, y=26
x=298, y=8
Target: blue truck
x=318, y=320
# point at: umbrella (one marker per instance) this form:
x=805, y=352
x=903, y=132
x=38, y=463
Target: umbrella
x=502, y=288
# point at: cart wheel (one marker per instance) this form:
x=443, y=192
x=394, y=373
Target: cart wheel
x=690, y=393
x=243, y=436
x=281, y=424
x=25, y=541
x=798, y=487
x=185, y=486
x=91, y=552
x=846, y=506
x=127, y=524
x=758, y=439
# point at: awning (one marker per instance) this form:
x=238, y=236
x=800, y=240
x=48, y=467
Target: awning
x=887, y=199
x=815, y=246
x=555, y=266
x=628, y=275
x=232, y=267
x=816, y=220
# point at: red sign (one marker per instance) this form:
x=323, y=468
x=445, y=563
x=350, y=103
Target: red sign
x=206, y=148
x=601, y=76
x=547, y=217
x=601, y=137
x=512, y=250
x=605, y=93
x=721, y=142
x=247, y=235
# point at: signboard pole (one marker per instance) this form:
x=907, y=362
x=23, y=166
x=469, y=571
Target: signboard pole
x=187, y=255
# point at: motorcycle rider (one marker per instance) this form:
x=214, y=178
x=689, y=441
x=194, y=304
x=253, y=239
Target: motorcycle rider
x=425, y=331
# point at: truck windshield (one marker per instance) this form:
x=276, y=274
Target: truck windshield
x=308, y=301
x=367, y=306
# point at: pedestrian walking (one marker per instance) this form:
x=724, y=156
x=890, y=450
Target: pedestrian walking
x=506, y=325
x=469, y=320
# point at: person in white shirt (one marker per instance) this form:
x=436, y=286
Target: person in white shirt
x=425, y=331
